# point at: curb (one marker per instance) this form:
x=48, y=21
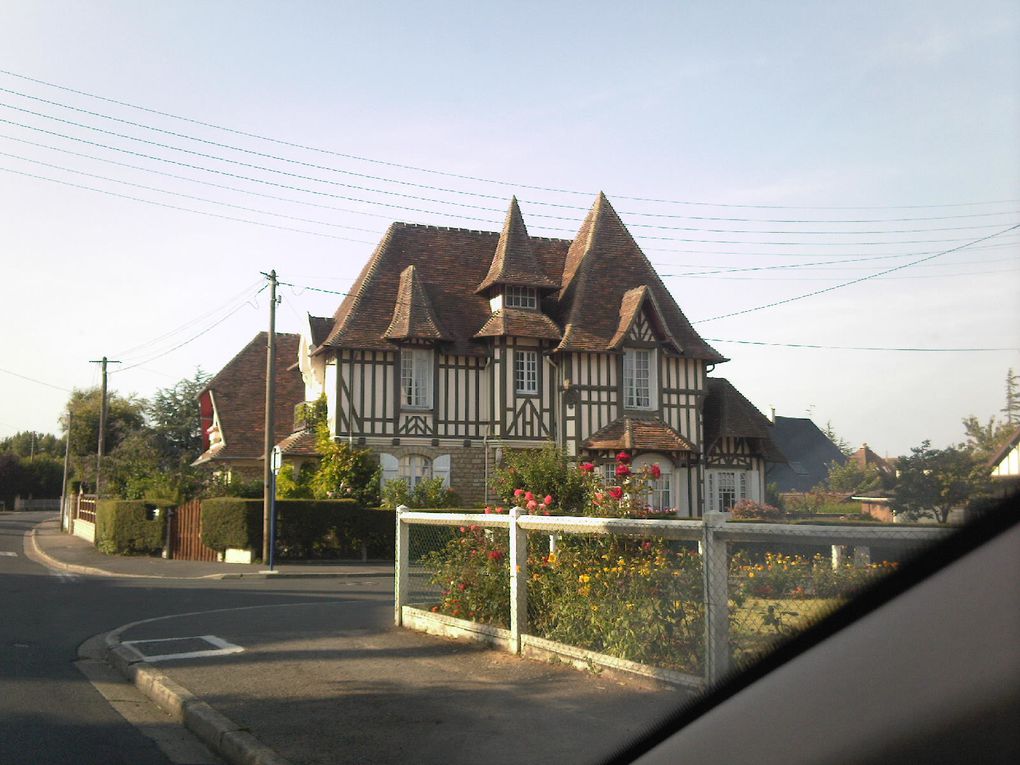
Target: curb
x=231, y=741
x=36, y=553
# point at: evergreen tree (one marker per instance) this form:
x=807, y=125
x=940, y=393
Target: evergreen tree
x=1012, y=408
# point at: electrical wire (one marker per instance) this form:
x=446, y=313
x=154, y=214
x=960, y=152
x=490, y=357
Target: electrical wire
x=812, y=346
x=33, y=380
x=479, y=179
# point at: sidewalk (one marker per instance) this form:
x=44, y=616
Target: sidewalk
x=327, y=681
x=75, y=555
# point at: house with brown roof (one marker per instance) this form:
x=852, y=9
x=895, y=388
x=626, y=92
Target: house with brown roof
x=1004, y=466
x=454, y=344
x=232, y=407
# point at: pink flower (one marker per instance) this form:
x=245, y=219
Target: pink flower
x=646, y=546
x=500, y=510
x=532, y=504
x=529, y=496
x=615, y=492
x=655, y=471
x=598, y=497
x=622, y=470
x=495, y=555
x=548, y=500
x=586, y=467
x=518, y=492
x=541, y=506
x=623, y=458
x=463, y=529
x=488, y=510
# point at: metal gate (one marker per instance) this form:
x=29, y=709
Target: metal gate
x=186, y=533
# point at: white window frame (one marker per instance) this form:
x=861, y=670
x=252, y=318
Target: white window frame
x=415, y=468
x=639, y=385
x=716, y=498
x=526, y=372
x=516, y=296
x=660, y=496
x=416, y=366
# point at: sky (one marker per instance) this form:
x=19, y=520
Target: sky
x=775, y=161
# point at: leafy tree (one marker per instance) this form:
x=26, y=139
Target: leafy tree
x=851, y=478
x=841, y=443
x=1012, y=408
x=176, y=421
x=291, y=484
x=344, y=471
x=37, y=478
x=28, y=442
x=542, y=471
x=935, y=481
x=125, y=415
x=983, y=439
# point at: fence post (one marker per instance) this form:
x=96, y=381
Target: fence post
x=518, y=581
x=402, y=567
x=715, y=569
x=838, y=556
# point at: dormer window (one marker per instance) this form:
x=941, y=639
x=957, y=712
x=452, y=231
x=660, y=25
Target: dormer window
x=520, y=297
x=416, y=378
x=639, y=379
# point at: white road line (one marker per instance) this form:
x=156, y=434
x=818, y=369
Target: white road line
x=5, y=554
x=222, y=648
x=64, y=577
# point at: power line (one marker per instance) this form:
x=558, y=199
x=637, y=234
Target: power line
x=186, y=342
x=433, y=200
x=813, y=346
x=183, y=209
x=465, y=205
x=480, y=179
x=460, y=192
x=33, y=380
x=855, y=281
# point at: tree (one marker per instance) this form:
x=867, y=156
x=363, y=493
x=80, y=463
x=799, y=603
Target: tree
x=1012, y=408
x=28, y=443
x=851, y=478
x=176, y=421
x=984, y=439
x=935, y=481
x=344, y=471
x=841, y=443
x=125, y=415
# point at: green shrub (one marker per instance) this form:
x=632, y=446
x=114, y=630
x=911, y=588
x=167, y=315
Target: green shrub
x=232, y=522
x=543, y=471
x=429, y=493
x=305, y=529
x=129, y=526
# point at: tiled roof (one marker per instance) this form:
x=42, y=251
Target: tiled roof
x=319, y=327
x=239, y=395
x=808, y=451
x=603, y=264
x=595, y=273
x=300, y=444
x=638, y=433
x=413, y=317
x=996, y=458
x=514, y=261
x=865, y=458
x=450, y=263
x=631, y=304
x=519, y=322
x=728, y=414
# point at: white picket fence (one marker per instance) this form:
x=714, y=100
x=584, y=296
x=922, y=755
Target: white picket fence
x=714, y=535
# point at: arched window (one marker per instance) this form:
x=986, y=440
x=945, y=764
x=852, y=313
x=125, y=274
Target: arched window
x=415, y=468
x=662, y=497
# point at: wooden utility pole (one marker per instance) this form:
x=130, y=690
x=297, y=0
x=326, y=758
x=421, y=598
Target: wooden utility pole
x=64, y=521
x=102, y=420
x=267, y=473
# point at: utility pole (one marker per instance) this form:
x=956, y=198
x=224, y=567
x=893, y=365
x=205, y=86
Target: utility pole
x=268, y=489
x=63, y=484
x=102, y=420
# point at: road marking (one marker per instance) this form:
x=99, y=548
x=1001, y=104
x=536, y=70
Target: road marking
x=5, y=554
x=64, y=577
x=220, y=648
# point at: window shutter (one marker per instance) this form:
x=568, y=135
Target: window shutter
x=743, y=486
x=423, y=375
x=628, y=379
x=390, y=467
x=441, y=468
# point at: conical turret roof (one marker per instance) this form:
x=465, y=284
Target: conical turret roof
x=514, y=261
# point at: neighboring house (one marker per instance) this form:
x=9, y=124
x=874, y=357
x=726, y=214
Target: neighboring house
x=1005, y=466
x=808, y=452
x=865, y=458
x=233, y=409
x=453, y=344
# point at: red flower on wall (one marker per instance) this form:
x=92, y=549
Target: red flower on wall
x=586, y=467
x=622, y=470
x=615, y=492
x=623, y=458
x=655, y=471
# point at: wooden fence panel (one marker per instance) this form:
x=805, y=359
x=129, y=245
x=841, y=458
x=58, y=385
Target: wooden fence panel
x=186, y=534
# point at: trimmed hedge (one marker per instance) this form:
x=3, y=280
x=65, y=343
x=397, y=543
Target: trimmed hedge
x=305, y=529
x=127, y=526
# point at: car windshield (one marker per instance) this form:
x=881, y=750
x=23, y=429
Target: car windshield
x=438, y=382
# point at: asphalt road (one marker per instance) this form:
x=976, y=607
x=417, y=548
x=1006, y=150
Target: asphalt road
x=49, y=711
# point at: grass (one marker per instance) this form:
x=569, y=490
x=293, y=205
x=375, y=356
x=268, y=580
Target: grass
x=759, y=624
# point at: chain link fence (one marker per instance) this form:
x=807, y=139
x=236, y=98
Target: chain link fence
x=694, y=598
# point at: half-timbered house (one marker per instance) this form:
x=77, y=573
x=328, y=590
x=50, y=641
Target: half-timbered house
x=453, y=345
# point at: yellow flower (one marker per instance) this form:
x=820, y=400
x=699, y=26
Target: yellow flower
x=750, y=575
x=552, y=557
x=584, y=579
